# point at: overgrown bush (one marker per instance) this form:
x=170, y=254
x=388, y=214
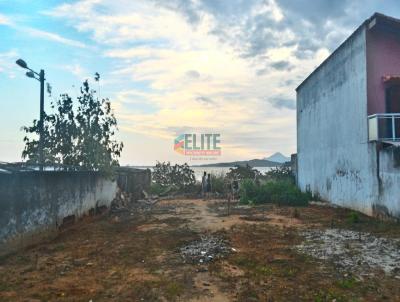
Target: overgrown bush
x=281, y=173
x=242, y=172
x=219, y=183
x=278, y=192
x=175, y=178
x=157, y=189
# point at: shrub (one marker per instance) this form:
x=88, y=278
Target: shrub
x=218, y=183
x=242, y=172
x=278, y=192
x=354, y=217
x=248, y=191
x=179, y=176
x=281, y=173
x=157, y=189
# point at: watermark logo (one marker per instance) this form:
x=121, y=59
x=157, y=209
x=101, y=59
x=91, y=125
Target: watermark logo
x=198, y=144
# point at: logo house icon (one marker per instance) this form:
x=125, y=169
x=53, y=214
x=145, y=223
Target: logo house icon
x=179, y=144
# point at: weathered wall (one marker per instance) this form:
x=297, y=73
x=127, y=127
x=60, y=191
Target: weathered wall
x=388, y=202
x=34, y=204
x=335, y=160
x=134, y=181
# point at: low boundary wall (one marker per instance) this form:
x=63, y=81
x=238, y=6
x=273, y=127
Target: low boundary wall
x=35, y=204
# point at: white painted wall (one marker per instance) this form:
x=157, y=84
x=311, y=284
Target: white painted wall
x=334, y=157
x=388, y=203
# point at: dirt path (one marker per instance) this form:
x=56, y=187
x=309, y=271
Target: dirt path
x=135, y=255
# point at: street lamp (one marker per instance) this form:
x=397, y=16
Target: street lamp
x=32, y=74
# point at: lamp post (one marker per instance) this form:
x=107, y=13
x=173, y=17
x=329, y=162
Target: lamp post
x=40, y=77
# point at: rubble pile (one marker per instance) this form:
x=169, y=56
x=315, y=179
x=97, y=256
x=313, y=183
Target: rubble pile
x=125, y=202
x=207, y=249
x=351, y=251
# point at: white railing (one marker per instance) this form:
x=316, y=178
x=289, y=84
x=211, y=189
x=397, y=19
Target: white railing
x=384, y=127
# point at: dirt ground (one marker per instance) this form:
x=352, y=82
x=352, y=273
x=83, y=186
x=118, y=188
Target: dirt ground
x=134, y=255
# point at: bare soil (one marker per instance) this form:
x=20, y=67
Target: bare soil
x=135, y=256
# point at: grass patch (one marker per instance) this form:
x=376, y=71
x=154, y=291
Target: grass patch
x=173, y=290
x=354, y=217
x=277, y=192
x=348, y=283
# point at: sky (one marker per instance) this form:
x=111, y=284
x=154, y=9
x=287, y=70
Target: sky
x=172, y=67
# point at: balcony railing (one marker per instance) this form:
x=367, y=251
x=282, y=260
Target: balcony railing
x=384, y=127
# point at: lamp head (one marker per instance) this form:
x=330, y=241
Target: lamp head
x=21, y=63
x=30, y=74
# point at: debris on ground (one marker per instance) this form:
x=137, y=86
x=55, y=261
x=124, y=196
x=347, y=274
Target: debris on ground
x=352, y=251
x=126, y=203
x=205, y=250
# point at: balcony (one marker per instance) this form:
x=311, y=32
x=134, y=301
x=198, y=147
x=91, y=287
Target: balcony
x=384, y=127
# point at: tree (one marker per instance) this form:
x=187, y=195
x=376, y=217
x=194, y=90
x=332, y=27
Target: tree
x=242, y=172
x=179, y=176
x=84, y=139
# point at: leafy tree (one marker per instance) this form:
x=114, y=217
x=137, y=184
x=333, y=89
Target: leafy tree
x=281, y=173
x=242, y=172
x=81, y=139
x=179, y=176
x=96, y=147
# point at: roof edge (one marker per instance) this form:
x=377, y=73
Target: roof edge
x=367, y=21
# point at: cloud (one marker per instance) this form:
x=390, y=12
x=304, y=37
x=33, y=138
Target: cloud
x=281, y=65
x=50, y=36
x=4, y=20
x=77, y=70
x=7, y=62
x=202, y=65
x=282, y=102
x=193, y=74
x=205, y=100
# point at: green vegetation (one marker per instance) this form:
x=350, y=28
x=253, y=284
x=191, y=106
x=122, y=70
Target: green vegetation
x=347, y=283
x=76, y=138
x=242, y=172
x=176, y=178
x=283, y=193
x=354, y=217
x=282, y=173
x=173, y=290
x=219, y=184
x=277, y=186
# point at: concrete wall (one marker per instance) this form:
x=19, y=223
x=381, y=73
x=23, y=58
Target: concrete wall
x=387, y=204
x=32, y=203
x=335, y=160
x=35, y=204
x=134, y=181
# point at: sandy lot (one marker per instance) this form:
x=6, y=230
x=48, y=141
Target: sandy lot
x=315, y=253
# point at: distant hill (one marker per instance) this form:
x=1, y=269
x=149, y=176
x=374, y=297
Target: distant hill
x=251, y=163
x=278, y=158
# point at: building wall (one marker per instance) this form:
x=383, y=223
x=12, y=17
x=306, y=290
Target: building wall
x=387, y=204
x=335, y=160
x=134, y=181
x=383, y=58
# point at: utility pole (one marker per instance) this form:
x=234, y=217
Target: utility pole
x=41, y=122
x=33, y=74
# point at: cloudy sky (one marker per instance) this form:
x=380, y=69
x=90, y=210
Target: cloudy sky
x=175, y=66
